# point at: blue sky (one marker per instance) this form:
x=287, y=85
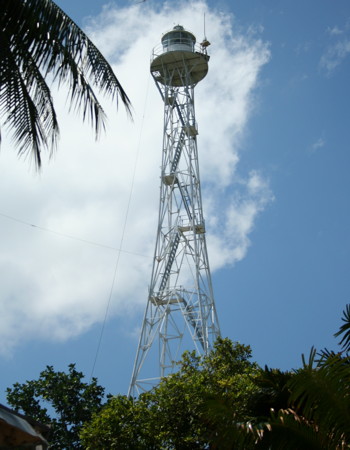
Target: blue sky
x=273, y=117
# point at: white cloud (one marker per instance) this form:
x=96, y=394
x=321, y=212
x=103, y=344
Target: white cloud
x=318, y=144
x=336, y=52
x=334, y=31
x=234, y=219
x=335, y=55
x=54, y=287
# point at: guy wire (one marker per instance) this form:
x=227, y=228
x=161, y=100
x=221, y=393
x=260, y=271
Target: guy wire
x=122, y=237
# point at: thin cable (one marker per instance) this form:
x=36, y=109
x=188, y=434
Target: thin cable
x=123, y=234
x=69, y=236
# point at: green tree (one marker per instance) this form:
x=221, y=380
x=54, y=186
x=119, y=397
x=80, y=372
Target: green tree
x=273, y=393
x=226, y=376
x=309, y=408
x=174, y=415
x=61, y=400
x=123, y=424
x=318, y=416
x=38, y=40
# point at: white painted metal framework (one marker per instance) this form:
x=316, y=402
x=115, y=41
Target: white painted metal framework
x=180, y=312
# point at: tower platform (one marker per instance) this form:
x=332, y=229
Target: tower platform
x=184, y=62
x=178, y=56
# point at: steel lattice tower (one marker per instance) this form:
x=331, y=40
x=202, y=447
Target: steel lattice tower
x=180, y=312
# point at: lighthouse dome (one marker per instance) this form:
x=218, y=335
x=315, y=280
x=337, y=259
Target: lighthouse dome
x=178, y=39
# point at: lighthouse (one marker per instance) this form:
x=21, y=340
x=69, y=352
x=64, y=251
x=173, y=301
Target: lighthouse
x=180, y=311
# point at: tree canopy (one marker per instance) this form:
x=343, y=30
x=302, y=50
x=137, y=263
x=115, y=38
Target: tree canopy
x=225, y=401
x=221, y=401
x=317, y=415
x=61, y=400
x=307, y=408
x=176, y=414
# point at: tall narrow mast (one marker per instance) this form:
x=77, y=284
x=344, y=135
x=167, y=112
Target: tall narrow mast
x=180, y=313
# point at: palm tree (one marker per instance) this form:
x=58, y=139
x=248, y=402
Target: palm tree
x=318, y=416
x=308, y=409
x=39, y=41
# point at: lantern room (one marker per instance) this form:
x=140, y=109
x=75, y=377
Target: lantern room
x=178, y=39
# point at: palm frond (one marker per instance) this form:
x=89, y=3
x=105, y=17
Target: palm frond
x=322, y=395
x=37, y=40
x=311, y=362
x=26, y=104
x=289, y=431
x=324, y=356
x=222, y=428
x=273, y=392
x=344, y=330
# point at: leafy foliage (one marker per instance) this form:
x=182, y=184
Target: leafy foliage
x=175, y=414
x=305, y=409
x=37, y=40
x=122, y=424
x=345, y=330
x=318, y=412
x=221, y=401
x=62, y=400
x=272, y=393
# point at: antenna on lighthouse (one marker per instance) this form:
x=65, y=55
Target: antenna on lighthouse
x=205, y=43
